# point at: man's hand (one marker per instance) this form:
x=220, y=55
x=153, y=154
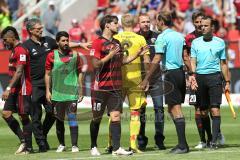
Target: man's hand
x=144, y=85
x=115, y=50
x=86, y=46
x=5, y=95
x=193, y=82
x=49, y=97
x=80, y=98
x=143, y=50
x=227, y=87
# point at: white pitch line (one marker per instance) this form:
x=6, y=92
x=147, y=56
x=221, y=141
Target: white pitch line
x=143, y=155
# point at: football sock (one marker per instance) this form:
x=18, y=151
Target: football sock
x=200, y=128
x=180, y=128
x=115, y=128
x=134, y=128
x=94, y=129
x=60, y=129
x=216, y=122
x=15, y=127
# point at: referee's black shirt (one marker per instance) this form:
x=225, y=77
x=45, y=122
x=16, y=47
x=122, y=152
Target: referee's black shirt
x=38, y=53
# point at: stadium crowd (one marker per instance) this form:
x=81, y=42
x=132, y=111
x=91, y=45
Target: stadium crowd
x=157, y=37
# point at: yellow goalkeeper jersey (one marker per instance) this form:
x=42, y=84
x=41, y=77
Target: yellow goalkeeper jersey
x=131, y=43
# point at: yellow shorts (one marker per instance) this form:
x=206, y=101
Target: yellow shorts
x=135, y=96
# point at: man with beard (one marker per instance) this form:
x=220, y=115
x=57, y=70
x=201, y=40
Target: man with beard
x=108, y=59
x=202, y=122
x=208, y=60
x=63, y=76
x=156, y=90
x=17, y=95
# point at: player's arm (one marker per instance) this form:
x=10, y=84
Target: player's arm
x=98, y=62
x=186, y=59
x=193, y=67
x=14, y=81
x=80, y=70
x=48, y=84
x=146, y=61
x=85, y=46
x=226, y=75
x=129, y=59
x=48, y=74
x=154, y=64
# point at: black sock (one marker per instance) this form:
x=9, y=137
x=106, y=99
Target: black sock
x=142, y=121
x=94, y=128
x=15, y=127
x=27, y=131
x=207, y=127
x=74, y=135
x=159, y=125
x=60, y=129
x=115, y=128
x=48, y=123
x=216, y=122
x=200, y=128
x=180, y=128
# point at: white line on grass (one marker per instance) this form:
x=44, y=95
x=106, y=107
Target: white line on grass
x=143, y=155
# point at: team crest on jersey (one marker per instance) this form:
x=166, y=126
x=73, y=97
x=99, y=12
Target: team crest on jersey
x=34, y=52
x=92, y=51
x=45, y=45
x=22, y=58
x=153, y=40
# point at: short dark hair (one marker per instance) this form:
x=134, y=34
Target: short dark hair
x=166, y=17
x=210, y=18
x=195, y=15
x=10, y=29
x=107, y=19
x=61, y=34
x=31, y=22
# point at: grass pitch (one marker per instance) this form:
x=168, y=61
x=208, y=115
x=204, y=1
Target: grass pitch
x=230, y=151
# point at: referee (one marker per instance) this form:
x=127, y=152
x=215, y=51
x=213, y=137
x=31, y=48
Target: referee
x=208, y=60
x=169, y=48
x=156, y=94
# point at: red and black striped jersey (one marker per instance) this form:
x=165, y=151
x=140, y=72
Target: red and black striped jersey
x=20, y=56
x=109, y=75
x=189, y=38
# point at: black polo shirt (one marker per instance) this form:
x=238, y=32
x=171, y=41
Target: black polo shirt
x=150, y=38
x=38, y=53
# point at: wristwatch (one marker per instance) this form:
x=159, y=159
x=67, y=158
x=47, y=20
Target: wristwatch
x=8, y=88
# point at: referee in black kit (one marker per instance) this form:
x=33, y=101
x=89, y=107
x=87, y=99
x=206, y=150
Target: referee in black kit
x=156, y=90
x=208, y=59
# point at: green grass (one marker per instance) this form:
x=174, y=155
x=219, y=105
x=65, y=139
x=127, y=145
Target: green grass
x=230, y=128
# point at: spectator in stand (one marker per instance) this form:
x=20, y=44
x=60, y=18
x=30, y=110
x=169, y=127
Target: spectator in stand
x=13, y=8
x=75, y=32
x=4, y=15
x=231, y=55
x=237, y=5
x=229, y=13
x=51, y=18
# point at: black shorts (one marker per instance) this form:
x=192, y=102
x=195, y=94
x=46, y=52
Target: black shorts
x=209, y=92
x=63, y=108
x=102, y=99
x=16, y=103
x=175, y=84
x=39, y=97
